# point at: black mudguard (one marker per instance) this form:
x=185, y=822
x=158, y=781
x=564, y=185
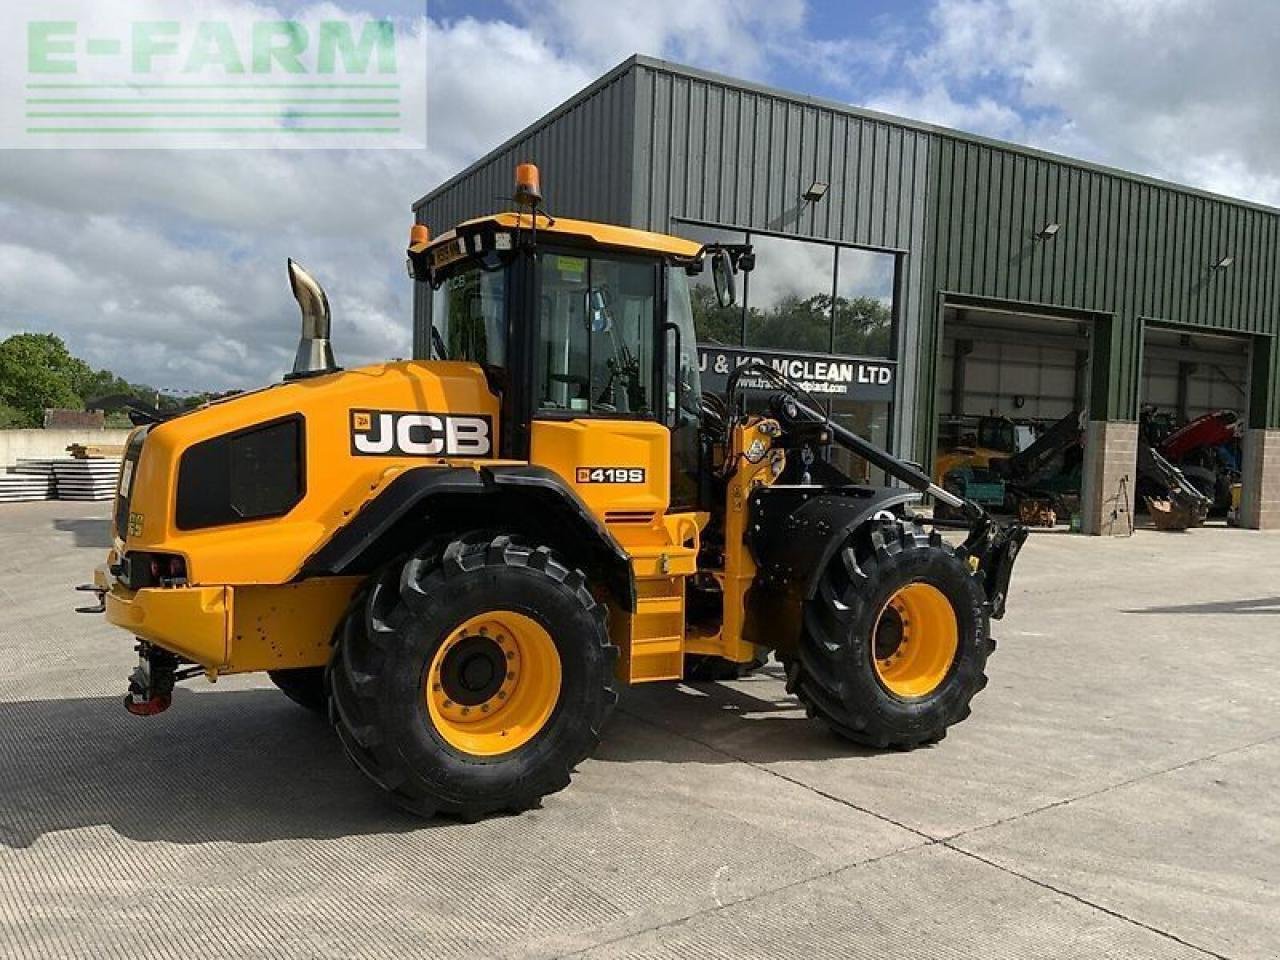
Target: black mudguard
x=430, y=502
x=793, y=532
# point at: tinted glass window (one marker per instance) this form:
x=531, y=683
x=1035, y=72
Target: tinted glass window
x=468, y=312
x=789, y=295
x=596, y=336
x=864, y=303
x=679, y=313
x=869, y=421
x=802, y=295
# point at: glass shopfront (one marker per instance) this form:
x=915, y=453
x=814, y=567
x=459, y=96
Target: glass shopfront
x=821, y=313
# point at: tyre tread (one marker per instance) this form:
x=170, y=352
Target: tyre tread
x=816, y=669
x=356, y=677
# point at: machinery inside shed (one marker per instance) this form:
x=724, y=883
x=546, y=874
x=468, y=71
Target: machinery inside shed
x=1195, y=400
x=1012, y=390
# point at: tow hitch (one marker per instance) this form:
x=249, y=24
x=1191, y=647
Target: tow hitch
x=152, y=680
x=100, y=596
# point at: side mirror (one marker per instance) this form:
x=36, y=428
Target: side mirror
x=722, y=275
x=599, y=318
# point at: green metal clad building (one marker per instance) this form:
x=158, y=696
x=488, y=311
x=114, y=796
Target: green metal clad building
x=991, y=279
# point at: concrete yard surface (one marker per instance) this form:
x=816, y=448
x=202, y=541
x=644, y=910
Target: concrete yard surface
x=1113, y=795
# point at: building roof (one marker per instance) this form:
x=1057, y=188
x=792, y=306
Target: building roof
x=653, y=63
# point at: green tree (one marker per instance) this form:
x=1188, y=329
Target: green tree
x=101, y=383
x=864, y=327
x=37, y=371
x=792, y=324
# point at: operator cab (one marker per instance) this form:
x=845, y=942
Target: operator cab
x=574, y=320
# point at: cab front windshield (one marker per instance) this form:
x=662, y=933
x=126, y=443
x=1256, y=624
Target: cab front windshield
x=599, y=344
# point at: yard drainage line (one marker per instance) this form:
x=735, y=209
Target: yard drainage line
x=1109, y=787
x=1084, y=902
x=930, y=841
x=782, y=776
x=707, y=911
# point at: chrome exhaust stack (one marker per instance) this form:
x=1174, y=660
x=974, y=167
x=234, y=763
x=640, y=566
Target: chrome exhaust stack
x=315, y=354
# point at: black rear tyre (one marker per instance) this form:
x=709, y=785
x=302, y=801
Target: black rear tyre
x=411, y=676
x=305, y=686
x=882, y=670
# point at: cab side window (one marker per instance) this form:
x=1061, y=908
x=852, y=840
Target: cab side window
x=596, y=322
x=469, y=315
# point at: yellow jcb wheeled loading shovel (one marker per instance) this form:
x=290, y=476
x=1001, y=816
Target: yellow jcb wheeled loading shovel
x=460, y=560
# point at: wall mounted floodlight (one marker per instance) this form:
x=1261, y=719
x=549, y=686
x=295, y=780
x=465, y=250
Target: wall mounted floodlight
x=1223, y=263
x=1048, y=231
x=817, y=190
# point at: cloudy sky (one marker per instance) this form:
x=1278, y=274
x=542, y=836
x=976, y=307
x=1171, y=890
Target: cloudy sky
x=168, y=266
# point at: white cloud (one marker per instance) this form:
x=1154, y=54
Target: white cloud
x=935, y=104
x=729, y=35
x=168, y=266
x=1171, y=88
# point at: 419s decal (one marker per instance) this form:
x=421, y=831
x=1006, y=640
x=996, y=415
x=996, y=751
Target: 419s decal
x=609, y=475
x=402, y=433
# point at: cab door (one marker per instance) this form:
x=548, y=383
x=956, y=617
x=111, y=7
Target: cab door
x=596, y=390
x=682, y=400
x=599, y=405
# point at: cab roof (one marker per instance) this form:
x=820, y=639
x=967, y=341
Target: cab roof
x=601, y=234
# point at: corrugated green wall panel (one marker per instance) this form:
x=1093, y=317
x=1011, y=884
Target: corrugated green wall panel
x=1126, y=247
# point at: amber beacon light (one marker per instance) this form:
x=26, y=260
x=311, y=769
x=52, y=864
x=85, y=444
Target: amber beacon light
x=528, y=187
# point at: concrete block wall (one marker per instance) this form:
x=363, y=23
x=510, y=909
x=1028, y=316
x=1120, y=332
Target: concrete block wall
x=17, y=445
x=1110, y=469
x=1260, y=498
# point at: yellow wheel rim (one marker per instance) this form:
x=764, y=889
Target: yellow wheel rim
x=916, y=639
x=493, y=683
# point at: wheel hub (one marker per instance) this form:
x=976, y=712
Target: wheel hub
x=493, y=683
x=474, y=670
x=890, y=633
x=916, y=640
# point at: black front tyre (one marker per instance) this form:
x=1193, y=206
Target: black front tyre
x=473, y=679
x=895, y=641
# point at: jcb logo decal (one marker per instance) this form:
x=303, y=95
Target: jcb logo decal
x=391, y=433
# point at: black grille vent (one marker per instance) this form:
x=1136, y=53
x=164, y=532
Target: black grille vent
x=251, y=474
